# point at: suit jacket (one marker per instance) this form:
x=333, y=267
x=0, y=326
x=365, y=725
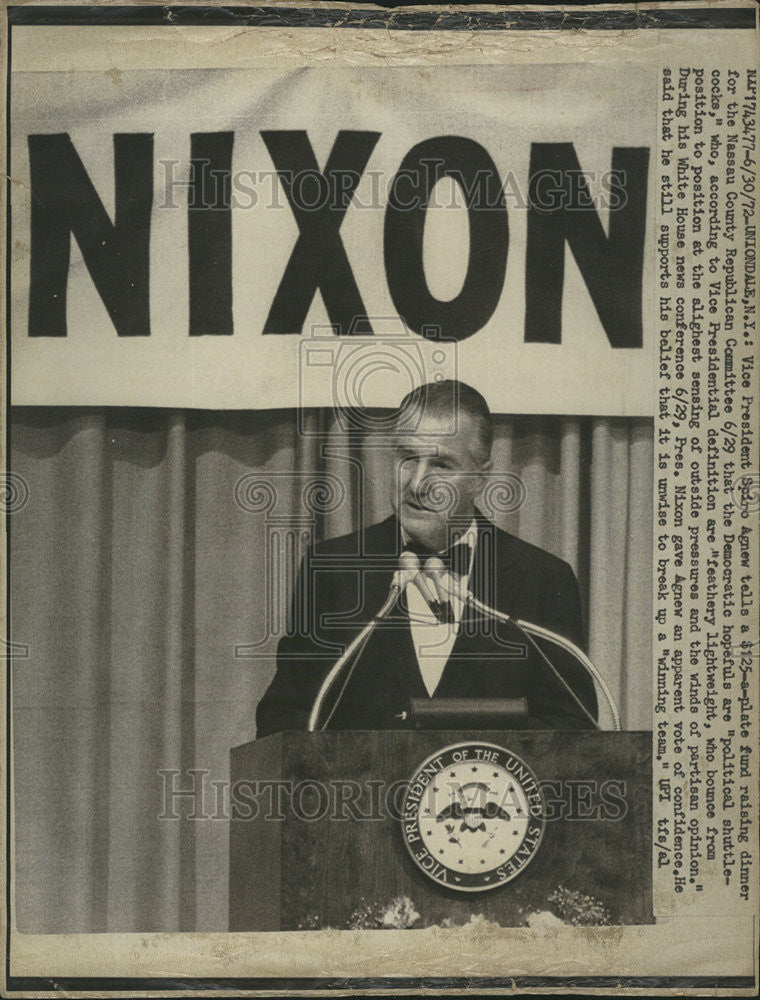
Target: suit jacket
x=343, y=582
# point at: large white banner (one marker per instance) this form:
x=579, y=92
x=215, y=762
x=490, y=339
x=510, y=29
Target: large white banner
x=262, y=235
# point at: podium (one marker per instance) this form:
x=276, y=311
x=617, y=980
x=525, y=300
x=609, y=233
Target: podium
x=316, y=834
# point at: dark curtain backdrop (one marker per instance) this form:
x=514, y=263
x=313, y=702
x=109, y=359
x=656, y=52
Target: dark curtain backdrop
x=146, y=565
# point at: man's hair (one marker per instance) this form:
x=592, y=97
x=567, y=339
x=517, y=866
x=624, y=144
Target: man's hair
x=449, y=398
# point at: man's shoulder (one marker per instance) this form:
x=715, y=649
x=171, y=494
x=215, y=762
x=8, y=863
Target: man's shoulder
x=379, y=538
x=522, y=555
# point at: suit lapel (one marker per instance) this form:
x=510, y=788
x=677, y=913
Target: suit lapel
x=493, y=581
x=397, y=656
x=489, y=581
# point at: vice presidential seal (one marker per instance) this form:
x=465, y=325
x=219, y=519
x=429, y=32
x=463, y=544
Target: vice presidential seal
x=473, y=816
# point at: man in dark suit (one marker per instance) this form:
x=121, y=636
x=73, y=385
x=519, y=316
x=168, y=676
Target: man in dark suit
x=429, y=649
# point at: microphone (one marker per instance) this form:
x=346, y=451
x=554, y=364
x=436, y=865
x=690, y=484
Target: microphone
x=409, y=569
x=410, y=564
x=529, y=630
x=443, y=582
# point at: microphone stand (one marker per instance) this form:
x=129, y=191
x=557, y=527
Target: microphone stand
x=528, y=629
x=355, y=646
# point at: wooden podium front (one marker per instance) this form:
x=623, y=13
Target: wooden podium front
x=315, y=835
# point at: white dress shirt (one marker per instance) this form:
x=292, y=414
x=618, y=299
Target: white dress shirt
x=433, y=640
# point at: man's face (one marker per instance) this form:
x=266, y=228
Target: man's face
x=438, y=476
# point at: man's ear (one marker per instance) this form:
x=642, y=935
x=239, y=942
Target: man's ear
x=481, y=474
